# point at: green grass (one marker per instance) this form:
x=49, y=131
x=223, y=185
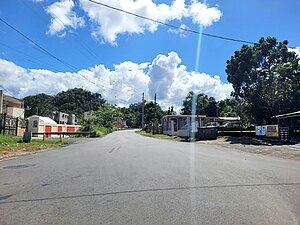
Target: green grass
x=12, y=144
x=161, y=136
x=236, y=131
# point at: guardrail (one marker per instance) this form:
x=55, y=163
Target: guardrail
x=61, y=134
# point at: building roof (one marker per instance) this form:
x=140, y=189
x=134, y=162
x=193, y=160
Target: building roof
x=43, y=119
x=11, y=99
x=183, y=116
x=287, y=115
x=202, y=116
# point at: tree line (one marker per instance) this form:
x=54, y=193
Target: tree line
x=265, y=79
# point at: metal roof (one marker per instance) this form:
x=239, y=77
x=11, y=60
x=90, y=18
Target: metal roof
x=11, y=99
x=287, y=115
x=44, y=119
x=202, y=116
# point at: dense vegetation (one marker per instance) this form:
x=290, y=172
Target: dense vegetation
x=102, y=120
x=204, y=105
x=75, y=100
x=265, y=78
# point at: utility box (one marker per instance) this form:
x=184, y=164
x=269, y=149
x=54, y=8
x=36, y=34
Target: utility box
x=207, y=133
x=27, y=137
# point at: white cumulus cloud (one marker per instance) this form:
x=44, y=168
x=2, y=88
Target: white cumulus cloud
x=204, y=15
x=110, y=23
x=63, y=17
x=296, y=50
x=122, y=85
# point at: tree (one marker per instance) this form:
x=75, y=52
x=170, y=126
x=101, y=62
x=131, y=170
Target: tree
x=78, y=101
x=40, y=104
x=102, y=120
x=153, y=112
x=132, y=115
x=75, y=100
x=266, y=76
x=203, y=104
x=227, y=107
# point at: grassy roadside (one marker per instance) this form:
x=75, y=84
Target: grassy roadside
x=12, y=146
x=160, y=136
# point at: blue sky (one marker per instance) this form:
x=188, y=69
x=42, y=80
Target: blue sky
x=121, y=56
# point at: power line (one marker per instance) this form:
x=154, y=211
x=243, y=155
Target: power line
x=73, y=68
x=74, y=35
x=33, y=59
x=55, y=57
x=173, y=26
x=36, y=44
x=170, y=25
x=43, y=50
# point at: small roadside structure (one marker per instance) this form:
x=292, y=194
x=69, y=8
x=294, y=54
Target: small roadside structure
x=289, y=125
x=182, y=125
x=41, y=124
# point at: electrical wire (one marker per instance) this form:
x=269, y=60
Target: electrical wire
x=45, y=51
x=173, y=26
x=93, y=55
x=36, y=44
x=170, y=25
x=32, y=60
x=73, y=68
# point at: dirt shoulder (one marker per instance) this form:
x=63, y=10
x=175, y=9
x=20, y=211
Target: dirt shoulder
x=252, y=145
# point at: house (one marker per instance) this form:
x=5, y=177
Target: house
x=183, y=125
x=289, y=125
x=63, y=118
x=11, y=106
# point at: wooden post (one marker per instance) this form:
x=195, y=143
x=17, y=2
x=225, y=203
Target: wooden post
x=1, y=121
x=17, y=126
x=44, y=136
x=60, y=138
x=4, y=122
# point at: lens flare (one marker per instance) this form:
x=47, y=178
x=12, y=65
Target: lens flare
x=193, y=131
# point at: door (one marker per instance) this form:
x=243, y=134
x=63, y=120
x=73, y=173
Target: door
x=48, y=129
x=70, y=129
x=59, y=129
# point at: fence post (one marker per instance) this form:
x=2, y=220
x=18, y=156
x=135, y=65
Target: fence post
x=17, y=126
x=1, y=119
x=60, y=138
x=4, y=122
x=44, y=135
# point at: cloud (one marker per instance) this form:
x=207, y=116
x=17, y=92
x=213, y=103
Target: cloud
x=180, y=31
x=296, y=50
x=63, y=17
x=171, y=81
x=203, y=15
x=122, y=85
x=109, y=23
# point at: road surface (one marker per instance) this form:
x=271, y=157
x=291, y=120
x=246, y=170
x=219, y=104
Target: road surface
x=125, y=178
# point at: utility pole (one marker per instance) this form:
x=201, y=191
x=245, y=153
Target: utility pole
x=154, y=121
x=1, y=101
x=143, y=111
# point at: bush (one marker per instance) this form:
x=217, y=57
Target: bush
x=102, y=131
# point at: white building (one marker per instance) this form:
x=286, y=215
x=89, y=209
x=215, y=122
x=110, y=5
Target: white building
x=11, y=106
x=41, y=124
x=182, y=125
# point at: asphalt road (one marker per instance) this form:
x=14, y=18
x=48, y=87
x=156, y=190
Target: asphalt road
x=125, y=178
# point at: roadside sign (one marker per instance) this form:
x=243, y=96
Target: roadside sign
x=272, y=131
x=283, y=133
x=260, y=130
